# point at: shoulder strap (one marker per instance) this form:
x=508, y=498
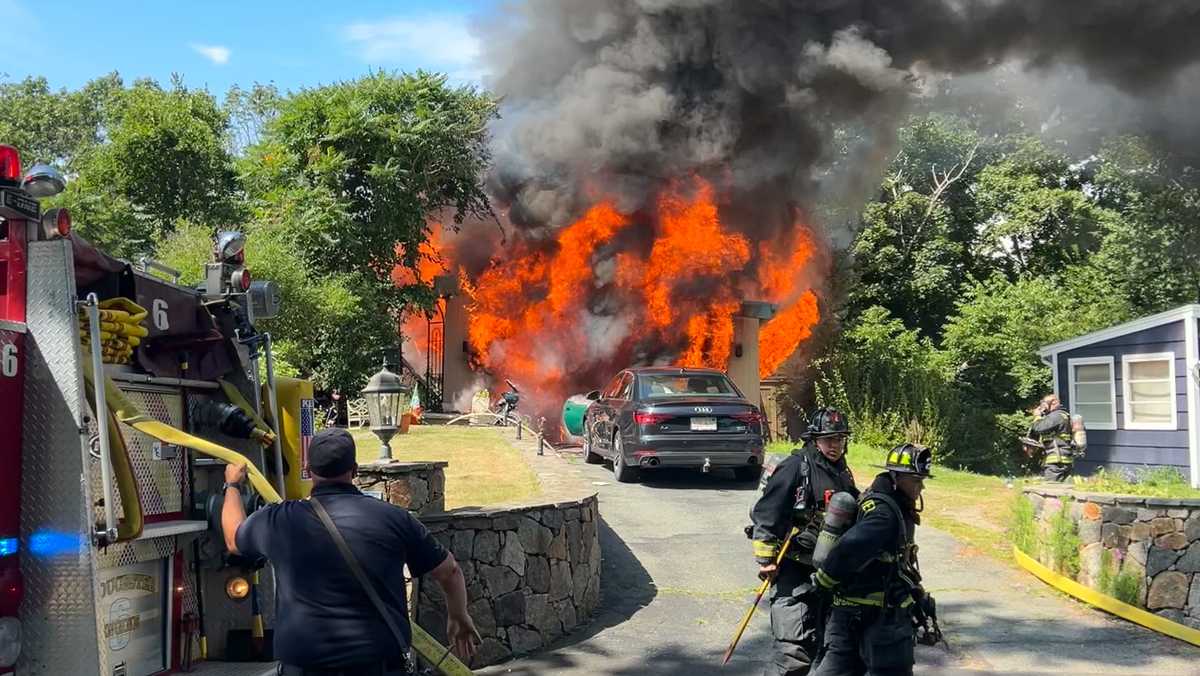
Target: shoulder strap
x=357, y=569
x=895, y=507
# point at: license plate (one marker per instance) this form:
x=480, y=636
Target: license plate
x=704, y=424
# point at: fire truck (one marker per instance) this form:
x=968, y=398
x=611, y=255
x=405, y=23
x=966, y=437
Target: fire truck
x=123, y=394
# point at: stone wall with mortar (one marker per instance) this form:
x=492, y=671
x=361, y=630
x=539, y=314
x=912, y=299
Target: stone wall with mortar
x=1155, y=539
x=533, y=573
x=419, y=487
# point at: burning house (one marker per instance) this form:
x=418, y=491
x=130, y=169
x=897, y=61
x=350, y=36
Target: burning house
x=659, y=162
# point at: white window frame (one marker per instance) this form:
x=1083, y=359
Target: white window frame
x=1128, y=359
x=1112, y=389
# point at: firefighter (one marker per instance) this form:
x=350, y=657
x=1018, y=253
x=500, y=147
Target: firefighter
x=1051, y=430
x=795, y=495
x=872, y=575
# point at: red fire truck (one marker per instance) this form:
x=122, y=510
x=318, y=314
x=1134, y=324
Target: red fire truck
x=122, y=394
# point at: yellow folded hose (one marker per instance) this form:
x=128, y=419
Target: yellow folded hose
x=120, y=329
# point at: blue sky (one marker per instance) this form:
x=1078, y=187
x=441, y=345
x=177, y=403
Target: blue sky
x=217, y=43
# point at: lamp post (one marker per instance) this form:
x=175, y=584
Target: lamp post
x=386, y=397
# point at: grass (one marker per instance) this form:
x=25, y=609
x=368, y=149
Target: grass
x=974, y=508
x=1063, y=541
x=485, y=469
x=1156, y=482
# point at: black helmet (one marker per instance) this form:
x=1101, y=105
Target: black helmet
x=827, y=422
x=910, y=459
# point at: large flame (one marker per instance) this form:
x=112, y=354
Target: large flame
x=614, y=289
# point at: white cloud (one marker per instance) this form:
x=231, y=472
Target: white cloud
x=435, y=40
x=215, y=53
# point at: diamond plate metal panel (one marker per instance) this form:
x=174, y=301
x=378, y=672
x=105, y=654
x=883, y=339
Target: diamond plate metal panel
x=58, y=611
x=161, y=483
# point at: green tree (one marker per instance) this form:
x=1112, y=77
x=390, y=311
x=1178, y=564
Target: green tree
x=55, y=126
x=164, y=159
x=907, y=261
x=1151, y=253
x=1035, y=217
x=991, y=342
x=376, y=157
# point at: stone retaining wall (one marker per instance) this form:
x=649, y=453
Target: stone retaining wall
x=1156, y=540
x=419, y=487
x=533, y=574
x=532, y=571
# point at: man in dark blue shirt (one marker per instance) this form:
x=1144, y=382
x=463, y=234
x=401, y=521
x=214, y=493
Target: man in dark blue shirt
x=326, y=624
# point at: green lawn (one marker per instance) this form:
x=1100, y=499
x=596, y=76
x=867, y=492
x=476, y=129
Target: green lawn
x=1161, y=482
x=485, y=469
x=972, y=507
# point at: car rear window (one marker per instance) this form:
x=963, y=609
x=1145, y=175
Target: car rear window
x=674, y=384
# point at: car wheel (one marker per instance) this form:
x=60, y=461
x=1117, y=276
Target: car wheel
x=621, y=471
x=590, y=456
x=748, y=473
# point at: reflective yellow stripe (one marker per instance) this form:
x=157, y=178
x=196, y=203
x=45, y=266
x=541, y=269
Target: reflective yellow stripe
x=873, y=599
x=765, y=550
x=825, y=581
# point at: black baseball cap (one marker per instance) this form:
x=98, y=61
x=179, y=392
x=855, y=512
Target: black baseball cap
x=331, y=453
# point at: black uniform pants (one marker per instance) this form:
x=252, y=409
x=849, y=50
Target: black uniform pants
x=1056, y=472
x=867, y=640
x=793, y=621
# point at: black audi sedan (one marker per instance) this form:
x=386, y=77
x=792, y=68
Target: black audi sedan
x=652, y=417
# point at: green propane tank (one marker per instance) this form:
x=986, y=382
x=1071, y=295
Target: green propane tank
x=573, y=411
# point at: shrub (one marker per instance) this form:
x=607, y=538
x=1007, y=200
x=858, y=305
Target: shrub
x=1021, y=528
x=1063, y=542
x=1123, y=585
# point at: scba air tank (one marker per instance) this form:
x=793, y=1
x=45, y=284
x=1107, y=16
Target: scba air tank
x=1078, y=434
x=840, y=512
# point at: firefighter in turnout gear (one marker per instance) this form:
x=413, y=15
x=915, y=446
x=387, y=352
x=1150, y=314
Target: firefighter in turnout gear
x=873, y=578
x=1051, y=430
x=795, y=495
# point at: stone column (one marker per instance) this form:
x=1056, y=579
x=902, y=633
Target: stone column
x=743, y=360
x=419, y=487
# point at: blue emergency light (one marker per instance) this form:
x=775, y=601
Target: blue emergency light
x=9, y=546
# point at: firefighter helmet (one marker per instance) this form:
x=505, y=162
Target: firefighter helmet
x=827, y=422
x=910, y=459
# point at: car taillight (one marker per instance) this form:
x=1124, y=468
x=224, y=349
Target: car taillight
x=643, y=418
x=10, y=165
x=750, y=417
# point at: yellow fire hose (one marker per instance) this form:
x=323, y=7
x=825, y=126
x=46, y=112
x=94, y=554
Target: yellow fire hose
x=762, y=589
x=125, y=411
x=130, y=525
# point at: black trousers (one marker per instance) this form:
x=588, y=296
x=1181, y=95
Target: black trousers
x=1056, y=472
x=867, y=640
x=793, y=621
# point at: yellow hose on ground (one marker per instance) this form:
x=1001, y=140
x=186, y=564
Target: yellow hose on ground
x=426, y=646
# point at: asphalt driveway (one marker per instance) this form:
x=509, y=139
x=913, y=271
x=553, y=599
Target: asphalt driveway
x=677, y=576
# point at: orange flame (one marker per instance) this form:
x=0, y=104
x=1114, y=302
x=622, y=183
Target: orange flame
x=612, y=289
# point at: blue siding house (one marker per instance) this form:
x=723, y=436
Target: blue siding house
x=1136, y=387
